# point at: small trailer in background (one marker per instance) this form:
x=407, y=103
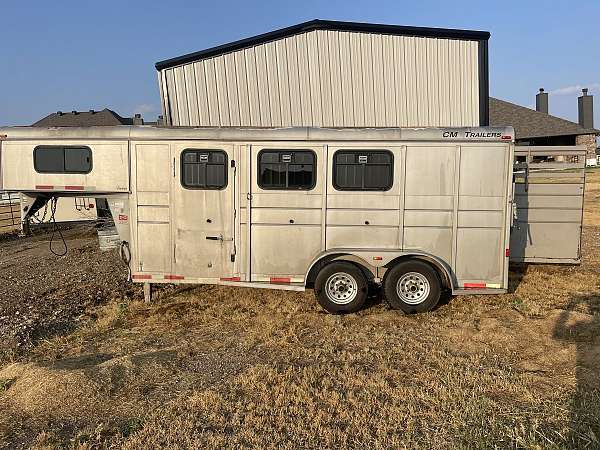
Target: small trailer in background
x=417, y=211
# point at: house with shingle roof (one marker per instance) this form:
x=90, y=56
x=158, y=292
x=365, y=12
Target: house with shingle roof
x=537, y=127
x=106, y=117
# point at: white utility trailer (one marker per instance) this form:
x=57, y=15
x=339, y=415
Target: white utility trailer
x=415, y=210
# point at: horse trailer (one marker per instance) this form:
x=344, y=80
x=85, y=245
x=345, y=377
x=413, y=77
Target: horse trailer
x=417, y=211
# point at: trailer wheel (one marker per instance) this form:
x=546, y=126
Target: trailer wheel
x=341, y=288
x=412, y=286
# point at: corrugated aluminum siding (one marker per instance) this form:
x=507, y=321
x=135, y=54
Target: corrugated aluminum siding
x=329, y=79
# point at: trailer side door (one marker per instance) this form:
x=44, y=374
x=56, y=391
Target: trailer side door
x=203, y=187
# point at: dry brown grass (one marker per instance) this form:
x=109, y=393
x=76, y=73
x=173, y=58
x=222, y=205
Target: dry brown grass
x=592, y=200
x=214, y=367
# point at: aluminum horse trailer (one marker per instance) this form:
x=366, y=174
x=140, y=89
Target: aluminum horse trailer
x=417, y=211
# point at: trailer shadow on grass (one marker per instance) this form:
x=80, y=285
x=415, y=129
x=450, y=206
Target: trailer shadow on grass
x=579, y=325
x=517, y=272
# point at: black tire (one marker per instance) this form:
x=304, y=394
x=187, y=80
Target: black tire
x=417, y=282
x=351, y=287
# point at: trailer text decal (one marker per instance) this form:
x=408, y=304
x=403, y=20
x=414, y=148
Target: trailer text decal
x=473, y=134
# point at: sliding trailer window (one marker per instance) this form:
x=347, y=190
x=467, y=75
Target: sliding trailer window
x=62, y=159
x=284, y=170
x=363, y=170
x=204, y=169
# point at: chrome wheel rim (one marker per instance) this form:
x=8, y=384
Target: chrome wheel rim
x=341, y=288
x=413, y=288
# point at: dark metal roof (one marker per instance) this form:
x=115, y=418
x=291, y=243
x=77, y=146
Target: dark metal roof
x=529, y=123
x=318, y=24
x=105, y=117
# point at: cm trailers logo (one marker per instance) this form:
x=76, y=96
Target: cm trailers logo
x=475, y=135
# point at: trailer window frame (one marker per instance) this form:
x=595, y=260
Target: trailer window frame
x=64, y=148
x=198, y=151
x=281, y=152
x=362, y=152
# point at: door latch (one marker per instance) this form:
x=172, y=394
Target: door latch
x=218, y=238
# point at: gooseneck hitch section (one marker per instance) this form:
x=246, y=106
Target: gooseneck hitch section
x=40, y=201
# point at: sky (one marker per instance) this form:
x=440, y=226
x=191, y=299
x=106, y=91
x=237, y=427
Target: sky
x=80, y=55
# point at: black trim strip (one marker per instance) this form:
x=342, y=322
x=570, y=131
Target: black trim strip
x=484, y=84
x=318, y=24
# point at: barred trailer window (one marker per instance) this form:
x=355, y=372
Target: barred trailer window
x=363, y=170
x=204, y=169
x=287, y=169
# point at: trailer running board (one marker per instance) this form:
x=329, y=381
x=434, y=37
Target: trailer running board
x=479, y=291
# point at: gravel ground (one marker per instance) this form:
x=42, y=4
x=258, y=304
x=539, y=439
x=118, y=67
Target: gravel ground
x=42, y=295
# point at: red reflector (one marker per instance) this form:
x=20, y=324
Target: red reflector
x=377, y=258
x=73, y=188
x=507, y=138
x=280, y=280
x=44, y=187
x=475, y=286
x=230, y=279
x=91, y=206
x=141, y=277
x=122, y=217
x=174, y=277
x=507, y=252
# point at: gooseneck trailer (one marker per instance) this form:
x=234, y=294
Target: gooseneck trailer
x=417, y=211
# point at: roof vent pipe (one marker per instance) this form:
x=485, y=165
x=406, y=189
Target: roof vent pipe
x=60, y=113
x=541, y=101
x=586, y=109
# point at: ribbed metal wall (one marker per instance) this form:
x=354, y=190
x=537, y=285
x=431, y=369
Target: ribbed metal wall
x=331, y=79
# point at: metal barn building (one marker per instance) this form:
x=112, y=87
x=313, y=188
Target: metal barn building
x=332, y=74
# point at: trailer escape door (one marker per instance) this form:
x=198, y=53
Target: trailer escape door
x=203, y=210
x=549, y=189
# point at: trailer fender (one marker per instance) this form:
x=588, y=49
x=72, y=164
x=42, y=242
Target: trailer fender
x=445, y=272
x=370, y=260
x=326, y=257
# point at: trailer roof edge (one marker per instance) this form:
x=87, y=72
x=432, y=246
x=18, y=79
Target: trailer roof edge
x=145, y=132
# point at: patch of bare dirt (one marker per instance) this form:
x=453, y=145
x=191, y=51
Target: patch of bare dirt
x=42, y=295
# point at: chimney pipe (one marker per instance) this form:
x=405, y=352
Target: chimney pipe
x=138, y=120
x=586, y=109
x=541, y=101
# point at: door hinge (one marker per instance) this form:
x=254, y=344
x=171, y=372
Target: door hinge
x=248, y=196
x=232, y=163
x=233, y=257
